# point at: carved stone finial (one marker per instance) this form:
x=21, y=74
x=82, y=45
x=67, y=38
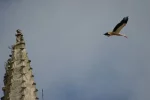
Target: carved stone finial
x=19, y=36
x=18, y=31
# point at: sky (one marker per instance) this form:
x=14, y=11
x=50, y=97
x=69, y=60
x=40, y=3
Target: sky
x=71, y=58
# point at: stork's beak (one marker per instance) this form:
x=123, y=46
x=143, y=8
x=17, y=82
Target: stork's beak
x=106, y=34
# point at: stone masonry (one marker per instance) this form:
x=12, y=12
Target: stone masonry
x=18, y=79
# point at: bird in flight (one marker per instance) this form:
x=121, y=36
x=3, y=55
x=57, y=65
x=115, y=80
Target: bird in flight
x=118, y=28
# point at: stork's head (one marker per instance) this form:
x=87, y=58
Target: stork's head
x=106, y=34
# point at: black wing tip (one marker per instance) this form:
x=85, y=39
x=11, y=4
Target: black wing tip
x=125, y=19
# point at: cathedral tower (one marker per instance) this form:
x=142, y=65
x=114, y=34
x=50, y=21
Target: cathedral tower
x=18, y=80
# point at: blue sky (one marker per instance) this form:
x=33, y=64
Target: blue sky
x=71, y=58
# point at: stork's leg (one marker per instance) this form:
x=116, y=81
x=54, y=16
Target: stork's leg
x=123, y=35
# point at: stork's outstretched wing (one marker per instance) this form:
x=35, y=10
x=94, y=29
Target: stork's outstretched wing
x=120, y=25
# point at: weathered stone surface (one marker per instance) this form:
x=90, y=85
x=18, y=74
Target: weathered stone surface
x=18, y=80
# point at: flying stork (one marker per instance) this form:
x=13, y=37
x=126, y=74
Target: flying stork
x=117, y=29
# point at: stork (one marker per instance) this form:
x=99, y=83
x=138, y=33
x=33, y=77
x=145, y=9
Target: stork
x=118, y=28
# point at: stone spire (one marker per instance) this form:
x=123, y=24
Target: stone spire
x=18, y=79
